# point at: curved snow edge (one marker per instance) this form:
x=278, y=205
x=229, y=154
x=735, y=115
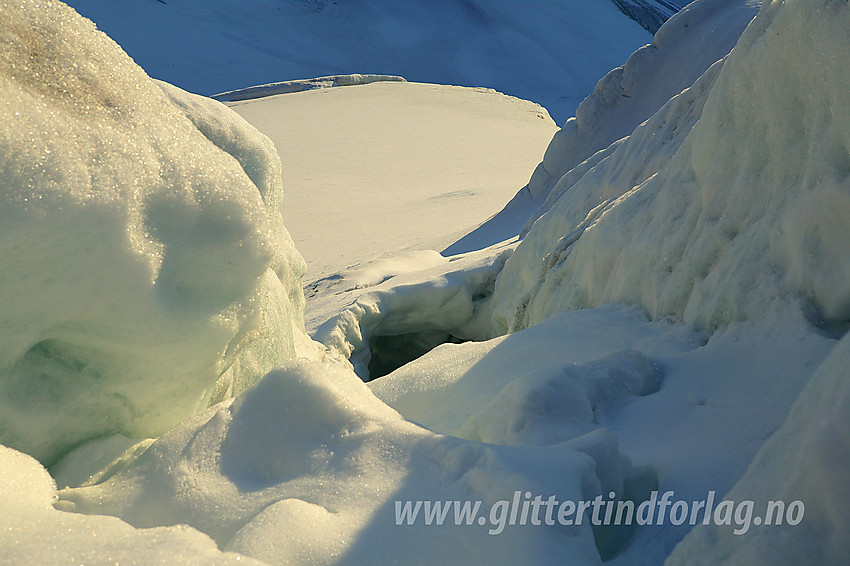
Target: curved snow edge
x=299, y=85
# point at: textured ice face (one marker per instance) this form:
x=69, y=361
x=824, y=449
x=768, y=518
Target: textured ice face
x=142, y=255
x=751, y=206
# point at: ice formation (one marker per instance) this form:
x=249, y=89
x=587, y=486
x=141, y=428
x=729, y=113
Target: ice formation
x=682, y=50
x=750, y=208
x=145, y=272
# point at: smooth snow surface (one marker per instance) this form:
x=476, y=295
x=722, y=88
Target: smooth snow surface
x=806, y=460
x=146, y=269
x=390, y=166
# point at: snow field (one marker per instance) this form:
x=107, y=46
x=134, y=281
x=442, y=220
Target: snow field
x=357, y=160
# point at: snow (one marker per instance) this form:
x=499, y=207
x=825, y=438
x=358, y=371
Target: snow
x=453, y=154
x=746, y=213
x=213, y=46
x=806, y=460
x=651, y=14
x=145, y=272
x=32, y=531
x=682, y=50
x=305, y=467
x=676, y=399
x=415, y=310
x=674, y=319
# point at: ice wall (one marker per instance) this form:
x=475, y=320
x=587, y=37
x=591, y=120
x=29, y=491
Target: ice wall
x=748, y=207
x=145, y=268
x=685, y=46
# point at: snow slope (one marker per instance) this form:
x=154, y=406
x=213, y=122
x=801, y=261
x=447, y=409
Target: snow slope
x=209, y=47
x=362, y=159
x=688, y=44
x=806, y=460
x=651, y=14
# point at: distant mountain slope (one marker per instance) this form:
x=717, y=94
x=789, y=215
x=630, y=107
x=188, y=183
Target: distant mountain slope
x=550, y=51
x=650, y=13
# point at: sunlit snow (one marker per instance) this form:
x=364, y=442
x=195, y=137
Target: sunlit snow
x=663, y=307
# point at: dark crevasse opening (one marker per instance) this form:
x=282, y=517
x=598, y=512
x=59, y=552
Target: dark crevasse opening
x=390, y=352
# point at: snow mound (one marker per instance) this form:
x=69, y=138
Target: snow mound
x=36, y=533
x=750, y=209
x=145, y=272
x=547, y=407
x=306, y=468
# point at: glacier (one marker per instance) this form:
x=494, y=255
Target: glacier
x=673, y=317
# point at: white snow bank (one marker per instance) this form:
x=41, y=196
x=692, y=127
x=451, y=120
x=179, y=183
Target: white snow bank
x=298, y=85
x=752, y=209
x=806, y=460
x=33, y=532
x=685, y=46
x=145, y=272
x=306, y=467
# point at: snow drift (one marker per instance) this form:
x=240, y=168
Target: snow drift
x=146, y=269
x=306, y=466
x=749, y=208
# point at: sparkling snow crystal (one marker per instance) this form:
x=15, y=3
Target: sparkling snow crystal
x=139, y=260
